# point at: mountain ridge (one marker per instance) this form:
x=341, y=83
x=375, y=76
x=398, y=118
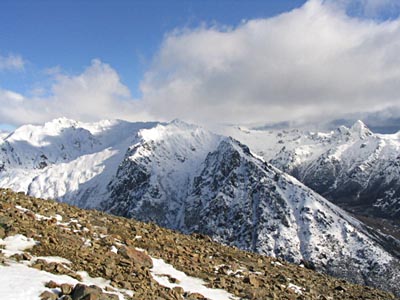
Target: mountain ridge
x=184, y=177
x=352, y=167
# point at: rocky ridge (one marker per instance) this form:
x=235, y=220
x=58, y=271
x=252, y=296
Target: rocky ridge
x=351, y=166
x=123, y=251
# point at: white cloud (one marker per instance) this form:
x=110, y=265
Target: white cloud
x=311, y=63
x=95, y=94
x=11, y=62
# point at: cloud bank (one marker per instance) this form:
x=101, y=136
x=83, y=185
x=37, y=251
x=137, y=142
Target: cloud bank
x=95, y=94
x=314, y=62
x=310, y=64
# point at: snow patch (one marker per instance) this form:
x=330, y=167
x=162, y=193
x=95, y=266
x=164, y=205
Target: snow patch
x=161, y=272
x=16, y=244
x=54, y=259
x=295, y=288
x=20, y=282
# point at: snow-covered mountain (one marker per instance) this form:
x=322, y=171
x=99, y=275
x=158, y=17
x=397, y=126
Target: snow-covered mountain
x=3, y=135
x=352, y=167
x=186, y=178
x=155, y=178
x=67, y=160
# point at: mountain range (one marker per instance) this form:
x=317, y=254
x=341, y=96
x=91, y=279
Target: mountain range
x=350, y=166
x=187, y=178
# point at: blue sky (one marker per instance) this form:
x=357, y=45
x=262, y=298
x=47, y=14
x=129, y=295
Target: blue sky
x=125, y=34
x=202, y=61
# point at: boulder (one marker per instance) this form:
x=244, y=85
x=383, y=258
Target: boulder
x=139, y=258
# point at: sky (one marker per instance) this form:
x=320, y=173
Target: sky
x=251, y=62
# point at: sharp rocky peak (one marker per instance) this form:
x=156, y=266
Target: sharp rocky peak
x=361, y=129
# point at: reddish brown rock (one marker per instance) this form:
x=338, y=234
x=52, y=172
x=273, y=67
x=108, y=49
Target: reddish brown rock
x=139, y=258
x=46, y=295
x=52, y=285
x=66, y=289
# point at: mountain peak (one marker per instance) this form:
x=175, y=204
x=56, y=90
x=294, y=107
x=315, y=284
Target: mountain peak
x=359, y=124
x=182, y=124
x=172, y=130
x=61, y=122
x=36, y=135
x=361, y=129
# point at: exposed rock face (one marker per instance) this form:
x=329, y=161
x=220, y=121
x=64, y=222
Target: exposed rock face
x=245, y=275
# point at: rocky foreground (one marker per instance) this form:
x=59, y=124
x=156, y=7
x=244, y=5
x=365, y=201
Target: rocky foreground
x=127, y=254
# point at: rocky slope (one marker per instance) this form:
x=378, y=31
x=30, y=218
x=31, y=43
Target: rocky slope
x=186, y=178
x=62, y=250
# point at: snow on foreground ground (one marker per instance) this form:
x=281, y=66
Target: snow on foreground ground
x=161, y=271
x=19, y=281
